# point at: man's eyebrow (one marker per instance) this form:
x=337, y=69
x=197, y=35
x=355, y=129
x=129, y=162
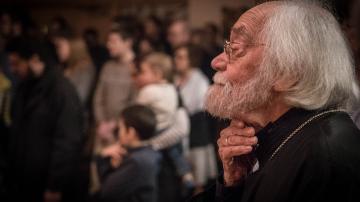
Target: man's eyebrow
x=241, y=31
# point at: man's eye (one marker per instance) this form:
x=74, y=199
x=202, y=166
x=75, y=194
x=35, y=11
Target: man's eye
x=235, y=49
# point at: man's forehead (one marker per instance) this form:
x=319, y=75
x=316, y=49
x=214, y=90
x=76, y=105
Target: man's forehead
x=240, y=31
x=252, y=20
x=247, y=24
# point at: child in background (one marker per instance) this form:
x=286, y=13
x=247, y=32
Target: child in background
x=157, y=92
x=128, y=170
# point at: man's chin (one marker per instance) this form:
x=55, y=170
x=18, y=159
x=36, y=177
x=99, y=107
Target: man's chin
x=215, y=103
x=221, y=104
x=231, y=101
x=218, y=114
x=223, y=112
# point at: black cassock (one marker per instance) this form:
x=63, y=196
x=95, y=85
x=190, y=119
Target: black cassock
x=321, y=162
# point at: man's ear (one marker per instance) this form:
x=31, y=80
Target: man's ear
x=284, y=83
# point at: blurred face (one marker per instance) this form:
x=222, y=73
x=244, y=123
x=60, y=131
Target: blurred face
x=5, y=24
x=116, y=45
x=182, y=62
x=197, y=39
x=240, y=86
x=145, y=47
x=126, y=135
x=19, y=66
x=150, y=28
x=177, y=34
x=62, y=49
x=17, y=29
x=146, y=76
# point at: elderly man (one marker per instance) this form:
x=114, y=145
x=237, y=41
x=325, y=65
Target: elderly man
x=284, y=78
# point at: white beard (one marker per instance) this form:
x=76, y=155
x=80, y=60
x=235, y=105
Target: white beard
x=227, y=100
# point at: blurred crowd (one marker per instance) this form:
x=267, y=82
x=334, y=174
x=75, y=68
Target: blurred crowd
x=82, y=120
x=123, y=120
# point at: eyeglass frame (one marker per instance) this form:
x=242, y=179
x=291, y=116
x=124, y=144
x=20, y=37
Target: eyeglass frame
x=228, y=49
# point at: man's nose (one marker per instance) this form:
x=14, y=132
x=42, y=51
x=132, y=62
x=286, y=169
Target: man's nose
x=219, y=62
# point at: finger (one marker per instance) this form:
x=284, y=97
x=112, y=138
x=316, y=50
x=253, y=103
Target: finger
x=227, y=153
x=115, y=155
x=237, y=123
x=115, y=159
x=236, y=140
x=115, y=162
x=229, y=131
x=241, y=140
x=123, y=151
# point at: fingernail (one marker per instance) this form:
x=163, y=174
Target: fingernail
x=240, y=123
x=250, y=130
x=248, y=148
x=237, y=123
x=255, y=139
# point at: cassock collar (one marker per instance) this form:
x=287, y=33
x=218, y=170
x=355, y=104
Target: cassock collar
x=274, y=133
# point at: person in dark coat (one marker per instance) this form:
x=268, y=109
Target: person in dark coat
x=47, y=127
x=285, y=79
x=98, y=52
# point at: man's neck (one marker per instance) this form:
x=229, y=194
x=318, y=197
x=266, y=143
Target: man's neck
x=127, y=57
x=260, y=118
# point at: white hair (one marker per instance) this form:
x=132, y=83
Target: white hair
x=304, y=43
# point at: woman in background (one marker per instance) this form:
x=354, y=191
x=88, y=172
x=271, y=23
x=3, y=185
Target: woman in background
x=78, y=68
x=193, y=84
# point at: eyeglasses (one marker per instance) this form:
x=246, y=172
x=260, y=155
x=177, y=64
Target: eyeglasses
x=240, y=49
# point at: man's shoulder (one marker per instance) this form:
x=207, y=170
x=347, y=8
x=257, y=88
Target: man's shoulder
x=63, y=91
x=338, y=139
x=64, y=86
x=109, y=66
x=110, y=63
x=338, y=126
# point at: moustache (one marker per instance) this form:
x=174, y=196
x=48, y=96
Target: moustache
x=220, y=79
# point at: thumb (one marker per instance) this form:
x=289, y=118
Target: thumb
x=237, y=123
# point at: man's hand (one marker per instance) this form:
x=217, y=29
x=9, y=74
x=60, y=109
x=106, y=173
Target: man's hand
x=236, y=141
x=116, y=153
x=50, y=196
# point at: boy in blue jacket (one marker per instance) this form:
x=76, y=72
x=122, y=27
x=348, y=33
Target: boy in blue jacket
x=128, y=170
